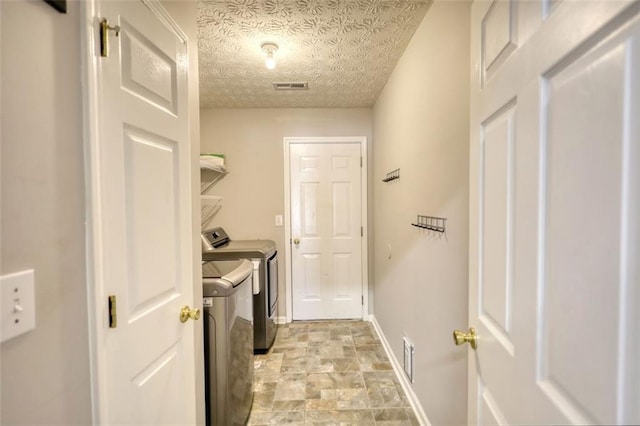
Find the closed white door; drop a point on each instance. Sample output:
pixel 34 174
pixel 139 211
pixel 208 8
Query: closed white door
pixel 141 188
pixel 326 234
pixel 555 201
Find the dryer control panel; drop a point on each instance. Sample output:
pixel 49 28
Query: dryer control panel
pixel 214 238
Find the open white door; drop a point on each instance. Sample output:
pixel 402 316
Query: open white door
pixel 326 228
pixel 139 176
pixel 555 201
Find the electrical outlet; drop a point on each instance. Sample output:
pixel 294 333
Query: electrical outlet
pixel 18 304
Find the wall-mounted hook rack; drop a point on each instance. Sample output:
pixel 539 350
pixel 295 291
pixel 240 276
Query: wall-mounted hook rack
pixel 432 223
pixel 392 175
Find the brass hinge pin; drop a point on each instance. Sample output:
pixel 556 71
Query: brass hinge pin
pixel 113 312
pixel 104 36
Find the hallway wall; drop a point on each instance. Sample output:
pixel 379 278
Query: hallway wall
pixel 45 373
pixel 251 139
pixel 421 125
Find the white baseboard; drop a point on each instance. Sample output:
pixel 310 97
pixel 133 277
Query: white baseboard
pixel 280 320
pixel 404 381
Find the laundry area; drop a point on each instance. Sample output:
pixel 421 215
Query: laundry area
pixel 305 371
pixel 240 294
pixel 265 212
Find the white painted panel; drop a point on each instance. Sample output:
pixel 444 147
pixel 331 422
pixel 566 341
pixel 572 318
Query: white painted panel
pixel 308 164
pixel 583 214
pixel 152 225
pixel 147 71
pixel 340 162
pixel 149 372
pixel 342 214
pixel 325 218
pixel 497 218
pixel 575 239
pixel 161 374
pixel 342 275
pixel 309 203
pixel 497 35
pixel 490 414
pixel 143 234
pixel 497 30
pixel 312 277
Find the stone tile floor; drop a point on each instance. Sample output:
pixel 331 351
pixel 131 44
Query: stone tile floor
pixel 326 373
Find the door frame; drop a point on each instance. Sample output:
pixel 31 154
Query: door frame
pixel 97 306
pixel 93 226
pixel 364 241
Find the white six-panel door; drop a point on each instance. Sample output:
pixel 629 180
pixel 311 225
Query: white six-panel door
pixel 555 202
pixel 140 189
pixel 326 252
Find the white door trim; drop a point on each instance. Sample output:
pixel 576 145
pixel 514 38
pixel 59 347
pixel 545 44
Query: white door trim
pixel 93 240
pixel 96 304
pixel 287 142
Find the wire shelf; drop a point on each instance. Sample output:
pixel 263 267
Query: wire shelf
pixel 209 176
pixel 209 206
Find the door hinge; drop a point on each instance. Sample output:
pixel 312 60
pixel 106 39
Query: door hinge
pixel 104 36
pixel 361 231
pixel 362 300
pixel 360 161
pixel 113 312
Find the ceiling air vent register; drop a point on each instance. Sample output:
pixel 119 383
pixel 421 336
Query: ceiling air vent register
pixel 291 86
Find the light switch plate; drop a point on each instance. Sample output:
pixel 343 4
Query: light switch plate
pixel 18 304
pixel 278 220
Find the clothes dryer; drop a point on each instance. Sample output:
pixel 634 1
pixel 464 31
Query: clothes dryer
pixel 216 245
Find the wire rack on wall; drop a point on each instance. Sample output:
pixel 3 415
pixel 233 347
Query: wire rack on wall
pixel 208 177
pixel 392 175
pixel 432 223
pixel 209 206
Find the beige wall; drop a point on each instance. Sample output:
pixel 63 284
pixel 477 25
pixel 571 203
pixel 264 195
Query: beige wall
pixel 421 125
pixel 45 373
pixel 251 140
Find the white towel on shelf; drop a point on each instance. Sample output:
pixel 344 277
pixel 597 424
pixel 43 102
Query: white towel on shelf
pixel 211 162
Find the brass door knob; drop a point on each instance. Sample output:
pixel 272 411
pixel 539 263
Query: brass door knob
pixel 460 337
pixel 296 241
pixel 187 313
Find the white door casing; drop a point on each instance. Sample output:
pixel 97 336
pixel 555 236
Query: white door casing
pixel 139 214
pixel 325 186
pixel 554 202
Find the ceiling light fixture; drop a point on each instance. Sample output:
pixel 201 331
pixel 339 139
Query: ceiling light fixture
pixel 270 48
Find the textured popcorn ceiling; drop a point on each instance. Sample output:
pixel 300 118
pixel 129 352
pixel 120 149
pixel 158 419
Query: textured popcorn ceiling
pixel 344 49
